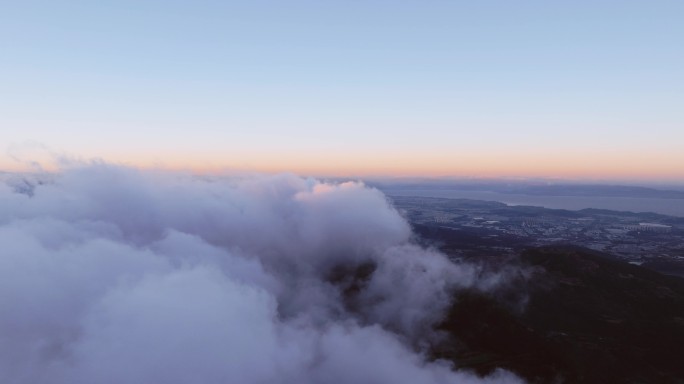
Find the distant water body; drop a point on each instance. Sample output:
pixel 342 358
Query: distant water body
pixel 672 207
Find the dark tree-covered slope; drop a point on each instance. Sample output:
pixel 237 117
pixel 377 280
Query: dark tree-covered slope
pixel 587 319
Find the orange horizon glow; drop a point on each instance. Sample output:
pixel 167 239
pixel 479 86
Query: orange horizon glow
pixel 506 164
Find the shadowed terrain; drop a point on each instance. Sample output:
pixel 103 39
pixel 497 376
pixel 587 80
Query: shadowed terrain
pixel 587 319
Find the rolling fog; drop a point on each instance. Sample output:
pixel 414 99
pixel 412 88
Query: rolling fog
pixel 116 275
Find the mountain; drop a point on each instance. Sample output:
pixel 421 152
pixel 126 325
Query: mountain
pixel 580 317
pixel 532 188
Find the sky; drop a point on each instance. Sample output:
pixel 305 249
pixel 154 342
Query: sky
pixel 582 89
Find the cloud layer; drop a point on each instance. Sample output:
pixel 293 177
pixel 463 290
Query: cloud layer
pixel 114 275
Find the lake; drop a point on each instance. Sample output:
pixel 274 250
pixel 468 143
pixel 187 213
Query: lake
pixel 672 207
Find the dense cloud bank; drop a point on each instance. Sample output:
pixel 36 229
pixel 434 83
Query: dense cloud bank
pixel 113 275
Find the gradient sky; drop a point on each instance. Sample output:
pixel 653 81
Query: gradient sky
pixel 581 89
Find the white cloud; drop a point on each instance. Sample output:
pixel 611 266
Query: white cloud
pixel 113 275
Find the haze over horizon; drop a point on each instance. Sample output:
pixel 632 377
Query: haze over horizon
pixel 587 90
pixel 341 192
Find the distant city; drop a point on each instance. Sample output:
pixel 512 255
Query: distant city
pixel 493 229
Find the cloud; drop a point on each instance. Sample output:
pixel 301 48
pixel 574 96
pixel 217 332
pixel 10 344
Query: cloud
pixel 111 275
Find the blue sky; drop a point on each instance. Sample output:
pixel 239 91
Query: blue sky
pixel 296 83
